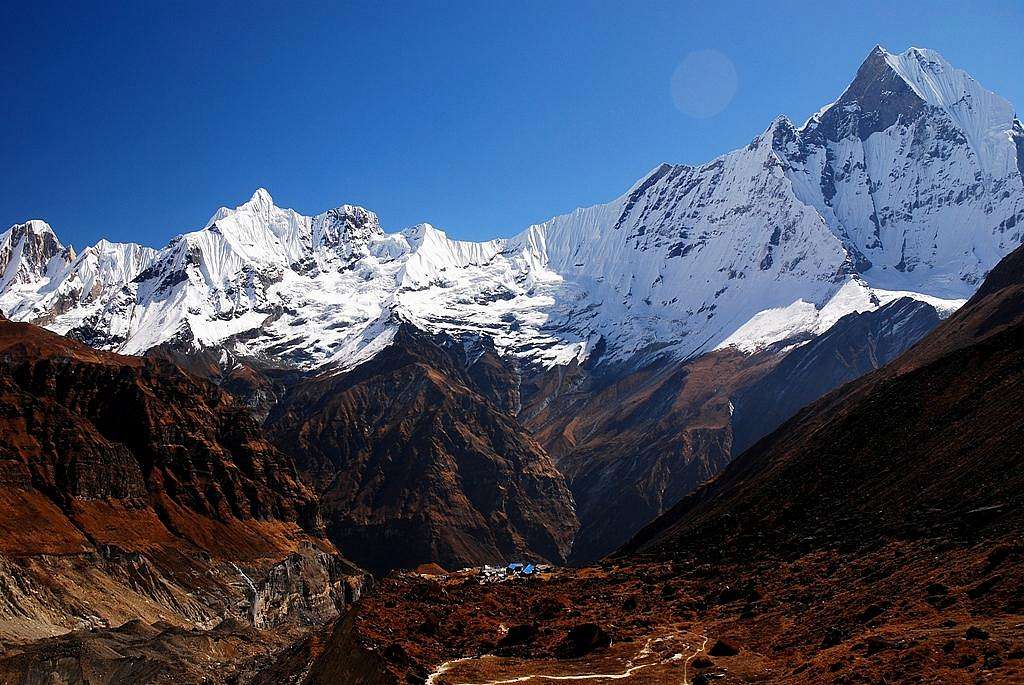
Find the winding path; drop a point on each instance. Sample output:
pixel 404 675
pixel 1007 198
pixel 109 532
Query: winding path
pixel 632 666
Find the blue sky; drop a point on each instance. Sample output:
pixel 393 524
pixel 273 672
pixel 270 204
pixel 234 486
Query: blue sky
pixel 137 122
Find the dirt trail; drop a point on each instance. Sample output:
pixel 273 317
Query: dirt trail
pixel 657 651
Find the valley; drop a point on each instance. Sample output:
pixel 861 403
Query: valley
pixel 754 420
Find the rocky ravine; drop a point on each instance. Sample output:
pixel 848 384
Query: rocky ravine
pixel 633 445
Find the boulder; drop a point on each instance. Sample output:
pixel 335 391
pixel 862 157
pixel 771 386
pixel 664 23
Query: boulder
pixel 723 648
pixel 582 640
pixel 702 662
pixel 976 633
pixel 518 635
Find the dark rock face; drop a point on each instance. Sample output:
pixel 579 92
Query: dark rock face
pixel 415 464
pixel 255 387
pixel 876 100
pixel 854 346
pixel 91 425
pixel 493 376
pixel 148 492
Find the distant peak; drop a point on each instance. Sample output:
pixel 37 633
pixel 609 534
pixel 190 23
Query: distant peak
pixel 261 198
pixel 260 202
pixel 892 87
pixel 37 227
pixel 417 230
pixel 352 211
pixel 912 51
pixel 921 52
pixel 345 225
pixel 415 235
pixel 33 227
pixel 779 134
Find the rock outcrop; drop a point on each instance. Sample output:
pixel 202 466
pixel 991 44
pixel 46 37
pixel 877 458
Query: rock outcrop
pixel 131 489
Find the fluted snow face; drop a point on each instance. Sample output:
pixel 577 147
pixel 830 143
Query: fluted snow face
pixel 690 254
pixel 910 183
pixel 985 118
pixel 915 168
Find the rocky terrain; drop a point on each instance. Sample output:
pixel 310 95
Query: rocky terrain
pixel 823 618
pixel 133 491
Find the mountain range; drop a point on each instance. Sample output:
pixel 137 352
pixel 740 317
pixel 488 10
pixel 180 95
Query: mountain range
pixel 629 339
pixel 733 378
pixel 909 183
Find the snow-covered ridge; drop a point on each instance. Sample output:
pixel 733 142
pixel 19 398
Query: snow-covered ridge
pixel 909 183
pixel 42 279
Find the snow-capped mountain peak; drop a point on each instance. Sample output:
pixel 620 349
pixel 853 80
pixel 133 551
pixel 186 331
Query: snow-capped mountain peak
pixel 43 280
pixel 260 201
pixel 30 253
pixel 911 182
pixel 347 230
pixel 892 86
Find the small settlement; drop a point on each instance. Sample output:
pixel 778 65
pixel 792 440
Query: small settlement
pixel 499 574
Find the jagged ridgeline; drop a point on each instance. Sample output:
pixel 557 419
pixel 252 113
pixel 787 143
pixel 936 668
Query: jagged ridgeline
pixel 910 182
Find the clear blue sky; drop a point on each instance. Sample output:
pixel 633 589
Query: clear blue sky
pixel 137 122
